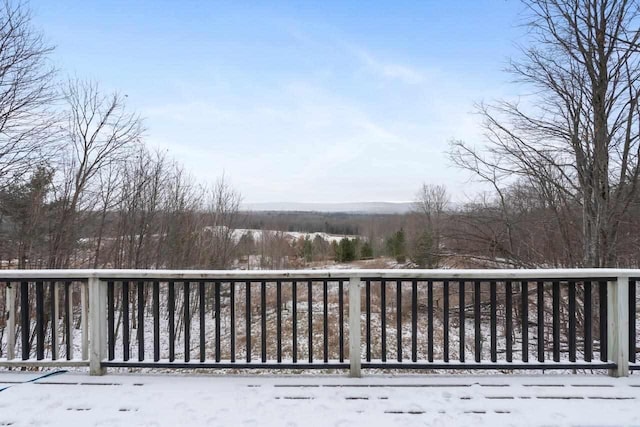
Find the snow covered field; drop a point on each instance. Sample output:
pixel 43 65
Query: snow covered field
pixel 72 399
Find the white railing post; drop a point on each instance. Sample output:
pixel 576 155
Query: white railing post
pixel 354 327
pixel 97 325
pixel 11 307
pixel 84 300
pixel 103 320
pixel 618 326
pixel 69 320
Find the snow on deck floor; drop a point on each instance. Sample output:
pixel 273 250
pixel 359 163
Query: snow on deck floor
pixel 73 399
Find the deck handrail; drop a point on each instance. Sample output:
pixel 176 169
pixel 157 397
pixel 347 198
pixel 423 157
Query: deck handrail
pixel 614 291
pixel 105 274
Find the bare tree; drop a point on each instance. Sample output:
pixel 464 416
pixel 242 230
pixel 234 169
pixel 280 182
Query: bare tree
pixel 143 184
pixel 431 201
pixel 577 138
pixel 108 198
pixel 181 225
pixel 100 132
pixel 222 218
pixel 426 241
pixel 23 212
pixel 26 92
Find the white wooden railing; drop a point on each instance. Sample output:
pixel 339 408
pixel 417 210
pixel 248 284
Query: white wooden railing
pixel 88 300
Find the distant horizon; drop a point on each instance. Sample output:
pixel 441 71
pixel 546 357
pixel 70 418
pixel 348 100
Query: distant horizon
pixel 335 202
pixel 370 207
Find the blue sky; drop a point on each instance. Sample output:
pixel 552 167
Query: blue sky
pixel 325 101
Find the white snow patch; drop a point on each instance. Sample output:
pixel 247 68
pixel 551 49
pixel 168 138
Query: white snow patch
pixel 75 399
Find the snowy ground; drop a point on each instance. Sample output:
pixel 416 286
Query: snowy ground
pixel 73 399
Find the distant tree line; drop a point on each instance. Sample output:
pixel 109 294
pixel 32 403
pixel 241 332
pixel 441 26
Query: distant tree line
pixel 307 222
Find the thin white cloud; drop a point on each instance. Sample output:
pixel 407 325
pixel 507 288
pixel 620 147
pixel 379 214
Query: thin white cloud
pixel 401 72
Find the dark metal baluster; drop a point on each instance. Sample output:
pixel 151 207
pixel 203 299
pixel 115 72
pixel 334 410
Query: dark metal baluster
pixel 263 320
pixel 602 291
pixel 524 312
pixel 186 289
pixel 383 317
pixel 68 316
pixel 368 316
pixel 294 315
pixel 476 321
pixel 632 321
pixel 125 320
pixel 445 326
pixel 572 321
pixel 540 291
pixel 217 285
pixel 156 320
pixel 172 321
pixel 310 318
pixel 279 320
pixel 232 314
pixel 54 320
pixel 430 321
pixel 341 318
pixel 25 319
pixel 461 321
pixel 399 320
pixel 325 328
pixel 588 312
pixel 509 319
pixel 111 335
pixel 414 320
pixel 140 321
pixel 40 320
pixel 556 321
pixel 494 320
pixel 201 315
pixel 247 312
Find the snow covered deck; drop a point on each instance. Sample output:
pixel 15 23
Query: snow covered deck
pixel 75 399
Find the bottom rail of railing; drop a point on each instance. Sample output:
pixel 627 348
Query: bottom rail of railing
pixel 165 364
pixel 223 365
pixel 488 365
pixel 44 363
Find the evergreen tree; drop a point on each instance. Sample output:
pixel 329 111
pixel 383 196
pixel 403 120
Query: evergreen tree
pixel 346 250
pixel 307 249
pixel 396 246
pixel 366 251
